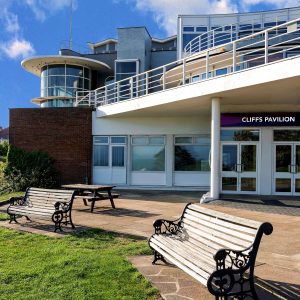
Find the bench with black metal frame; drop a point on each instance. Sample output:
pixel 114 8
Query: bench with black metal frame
pixel 50 204
pixel 217 249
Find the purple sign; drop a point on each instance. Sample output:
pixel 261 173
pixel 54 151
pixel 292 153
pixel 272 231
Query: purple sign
pixel 259 119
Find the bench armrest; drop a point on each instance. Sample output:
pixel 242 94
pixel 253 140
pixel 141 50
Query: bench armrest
pixel 62 206
pixel 237 258
pixel 16 201
pixel 228 263
pixel 166 226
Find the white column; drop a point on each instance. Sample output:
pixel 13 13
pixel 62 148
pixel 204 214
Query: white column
pixel 215 153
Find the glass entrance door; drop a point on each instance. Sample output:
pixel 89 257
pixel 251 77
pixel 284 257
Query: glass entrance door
pixel 239 168
pixel 286 169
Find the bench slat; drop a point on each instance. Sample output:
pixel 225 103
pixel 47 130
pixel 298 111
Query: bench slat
pixel 48 198
pixel 177 257
pixel 224 224
pixel 22 211
pixel 180 265
pixel 182 248
pixel 215 233
pixel 233 219
pixel 70 192
pixel 40 201
pixel 222 244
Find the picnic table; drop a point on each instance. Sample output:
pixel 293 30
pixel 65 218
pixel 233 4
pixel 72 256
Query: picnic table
pixel 92 193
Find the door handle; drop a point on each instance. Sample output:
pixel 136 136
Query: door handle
pixel 289 169
pixel 242 168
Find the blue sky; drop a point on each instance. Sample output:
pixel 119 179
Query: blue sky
pixel 39 27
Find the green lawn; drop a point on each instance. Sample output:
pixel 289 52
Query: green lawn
pixel 8 196
pixel 87 265
pixel 4 216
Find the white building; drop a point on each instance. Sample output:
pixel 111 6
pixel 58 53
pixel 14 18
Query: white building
pixel 224 118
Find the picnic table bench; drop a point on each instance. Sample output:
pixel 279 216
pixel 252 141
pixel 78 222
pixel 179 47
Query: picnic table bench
pixel 217 249
pixel 55 205
pixel 93 193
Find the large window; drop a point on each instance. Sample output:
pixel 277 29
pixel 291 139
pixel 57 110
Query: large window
pixel 126 68
pixel 64 80
pixel 148 153
pixel 109 151
pixel 191 32
pixel 192 153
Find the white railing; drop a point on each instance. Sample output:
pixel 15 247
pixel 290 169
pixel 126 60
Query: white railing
pixel 273 44
pixel 228 33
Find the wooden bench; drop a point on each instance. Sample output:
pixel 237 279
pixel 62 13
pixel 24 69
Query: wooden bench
pixel 55 205
pixel 217 249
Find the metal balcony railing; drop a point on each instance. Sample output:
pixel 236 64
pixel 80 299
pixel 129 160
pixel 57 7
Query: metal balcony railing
pixel 273 44
pixel 228 33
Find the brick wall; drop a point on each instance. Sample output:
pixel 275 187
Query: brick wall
pixel 64 133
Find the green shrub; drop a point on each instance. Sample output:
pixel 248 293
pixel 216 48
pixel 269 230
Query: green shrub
pixel 23 169
pixel 3 150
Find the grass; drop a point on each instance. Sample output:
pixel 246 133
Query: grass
pixel 5 197
pixel 87 265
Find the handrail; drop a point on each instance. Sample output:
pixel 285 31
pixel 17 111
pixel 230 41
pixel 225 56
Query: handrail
pixel 250 51
pixel 216 36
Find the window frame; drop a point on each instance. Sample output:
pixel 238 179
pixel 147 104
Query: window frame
pixel 147 144
pixel 194 143
pixel 110 145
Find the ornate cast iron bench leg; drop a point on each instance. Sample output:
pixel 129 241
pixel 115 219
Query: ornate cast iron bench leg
pixel 12 218
pixel 157 257
pixel 57 218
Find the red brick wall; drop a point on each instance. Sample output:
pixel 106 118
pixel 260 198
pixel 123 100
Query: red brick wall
pixel 64 133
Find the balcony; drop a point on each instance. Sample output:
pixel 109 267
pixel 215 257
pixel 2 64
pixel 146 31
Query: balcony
pixel 264 48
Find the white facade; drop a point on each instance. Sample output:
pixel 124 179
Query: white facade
pixel 186 112
pixel 236 131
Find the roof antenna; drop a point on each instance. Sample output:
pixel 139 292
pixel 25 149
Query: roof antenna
pixel 71 17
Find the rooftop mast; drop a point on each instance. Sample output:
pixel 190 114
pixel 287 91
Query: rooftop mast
pixel 71 17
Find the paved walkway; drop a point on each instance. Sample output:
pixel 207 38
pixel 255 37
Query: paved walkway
pixel 278 262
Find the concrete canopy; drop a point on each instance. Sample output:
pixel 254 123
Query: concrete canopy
pixel 35 64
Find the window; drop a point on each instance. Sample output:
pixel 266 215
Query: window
pixel 148 153
pixel 239 135
pixel 201 28
pixel 126 68
pixel 221 71
pixel 109 151
pixel 192 153
pixel 101 155
pixel 187 37
pixel 64 80
pixel 287 135
pixel 117 156
pixel 188 28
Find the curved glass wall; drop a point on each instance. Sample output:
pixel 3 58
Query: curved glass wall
pixel 64 80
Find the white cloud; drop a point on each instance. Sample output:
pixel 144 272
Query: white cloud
pixel 11 22
pixel 165 12
pixel 43 8
pixel 18 48
pixel 275 3
pixel 14 45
